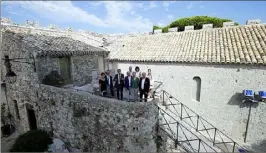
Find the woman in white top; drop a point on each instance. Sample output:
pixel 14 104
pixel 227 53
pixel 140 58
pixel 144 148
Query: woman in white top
pixel 149 74
pixel 151 81
pixel 138 73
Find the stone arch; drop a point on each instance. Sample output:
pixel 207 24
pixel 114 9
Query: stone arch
pixel 196 88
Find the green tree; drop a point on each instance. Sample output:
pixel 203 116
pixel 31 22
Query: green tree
pixel 156 27
pixel 197 21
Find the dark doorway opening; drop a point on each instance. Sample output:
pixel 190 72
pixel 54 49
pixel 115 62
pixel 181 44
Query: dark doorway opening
pixel 32 119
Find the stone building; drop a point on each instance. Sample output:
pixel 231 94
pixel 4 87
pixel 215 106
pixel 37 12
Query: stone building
pixel 204 69
pixel 39 55
pixel 80 119
pixel 207 70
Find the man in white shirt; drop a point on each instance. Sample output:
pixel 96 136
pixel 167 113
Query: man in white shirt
pixel 144 87
pixel 128 86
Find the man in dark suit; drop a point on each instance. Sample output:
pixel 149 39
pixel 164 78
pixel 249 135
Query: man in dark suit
pixel 109 82
pixel 144 87
pixel 119 83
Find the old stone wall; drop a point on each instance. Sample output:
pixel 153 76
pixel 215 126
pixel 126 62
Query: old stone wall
pixel 24 89
pixel 82 67
pixel 44 65
pixel 219 102
pixel 95 123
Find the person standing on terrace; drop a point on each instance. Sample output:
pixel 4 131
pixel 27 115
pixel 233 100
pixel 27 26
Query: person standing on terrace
pixel 149 74
pixel 119 84
pixel 130 70
pixel 144 87
pixel 135 86
pixel 109 82
pixel 151 81
pixel 128 86
pixel 102 84
pixel 138 73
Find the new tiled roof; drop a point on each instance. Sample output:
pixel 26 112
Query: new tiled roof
pixel 237 44
pixel 45 45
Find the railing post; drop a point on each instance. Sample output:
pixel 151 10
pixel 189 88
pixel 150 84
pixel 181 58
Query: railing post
pixel 163 98
pixel 197 123
pixel 176 143
pixel 181 117
pixel 199 145
pixel 214 136
pixel 234 146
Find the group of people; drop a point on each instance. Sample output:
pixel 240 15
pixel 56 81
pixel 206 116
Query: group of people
pixel 135 83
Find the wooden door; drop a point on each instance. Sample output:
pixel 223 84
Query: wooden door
pixel 65 70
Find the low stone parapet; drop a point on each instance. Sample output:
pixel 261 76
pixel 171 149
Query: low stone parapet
pixel 94 123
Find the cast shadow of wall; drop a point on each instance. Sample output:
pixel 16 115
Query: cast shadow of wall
pixel 259 147
pixel 237 100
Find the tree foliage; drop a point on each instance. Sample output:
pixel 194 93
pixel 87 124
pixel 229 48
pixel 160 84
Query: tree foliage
pixel 197 21
pixel 156 27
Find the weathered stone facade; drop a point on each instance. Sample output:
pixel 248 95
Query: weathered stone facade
pixel 81 67
pixel 221 86
pixel 95 123
pixel 44 69
pixel 24 90
pixel 82 120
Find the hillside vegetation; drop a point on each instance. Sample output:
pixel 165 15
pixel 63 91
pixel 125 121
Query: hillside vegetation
pixel 197 21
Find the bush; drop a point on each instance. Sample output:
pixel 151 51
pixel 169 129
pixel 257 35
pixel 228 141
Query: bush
pixel 197 21
pixel 156 27
pixel 32 141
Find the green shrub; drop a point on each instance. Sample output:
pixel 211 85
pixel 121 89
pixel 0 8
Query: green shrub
pixel 165 29
pixel 156 27
pixel 197 21
pixel 32 141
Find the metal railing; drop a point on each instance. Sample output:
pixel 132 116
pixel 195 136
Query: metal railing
pixel 191 119
pixel 183 137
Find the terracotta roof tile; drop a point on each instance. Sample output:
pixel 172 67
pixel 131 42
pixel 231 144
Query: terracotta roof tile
pixel 240 44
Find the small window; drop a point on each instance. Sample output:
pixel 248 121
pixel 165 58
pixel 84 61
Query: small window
pixel 196 88
pixel 16 109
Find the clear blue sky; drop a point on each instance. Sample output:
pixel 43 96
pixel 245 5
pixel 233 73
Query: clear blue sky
pixel 126 16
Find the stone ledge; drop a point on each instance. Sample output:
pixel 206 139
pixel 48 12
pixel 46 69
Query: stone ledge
pixel 91 96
